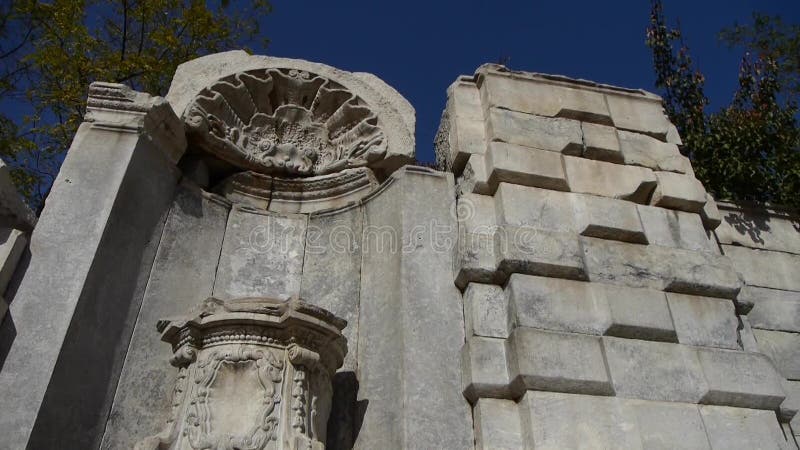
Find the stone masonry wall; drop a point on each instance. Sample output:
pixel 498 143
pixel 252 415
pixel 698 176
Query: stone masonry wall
pixel 598 305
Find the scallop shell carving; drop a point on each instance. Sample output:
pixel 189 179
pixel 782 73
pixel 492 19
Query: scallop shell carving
pixel 285 121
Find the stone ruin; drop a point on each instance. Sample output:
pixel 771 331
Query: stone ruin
pixel 254 262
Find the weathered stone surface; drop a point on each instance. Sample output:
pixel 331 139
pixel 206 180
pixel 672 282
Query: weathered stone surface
pixel 542 209
pixel 601 142
pixel 262 255
pixel 677 229
pixel 484 370
pixel 704 321
pixel 742 429
pixel 764 268
pixel 643 114
pixel 540 96
pixel 331 274
pixel 14 213
pixel 642 150
pixel 526 166
pixel 12 244
pixel 476 259
pixel 543 133
pixel 556 421
pixel 462 132
pixel 638 313
pixel 766 229
pixel 558 304
pixel 784 350
pixel 486 311
pixel 710 213
pixel 183 272
pixel 539 252
pixel 773 309
pixel 681 192
pixel 608 219
pixel 562 362
pixel 791 405
pixel 609 180
pixel 497 425
pixel 660 268
pixel 654 370
pixel 741 379
pixel 746 336
pixel 667 425
pixel 411 325
pixel 89 258
pixel 395 113
pixel 475 177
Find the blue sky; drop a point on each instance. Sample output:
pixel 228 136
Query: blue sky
pixel 420 47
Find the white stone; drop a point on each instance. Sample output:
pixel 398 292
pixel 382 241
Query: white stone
pixel 762 268
pixel 497 425
pixel 539 252
pixel 601 142
pixel 484 368
pixel 710 213
pixel 742 429
pixel 643 114
pixel 677 229
pixel 637 313
pixel 525 166
pixel 542 209
pixel 773 309
pixel 742 379
pixel 642 150
pixel 654 370
pixel 609 180
pixel 562 362
pixel 608 219
pixel 667 425
pixel 790 407
pixel 677 191
pixel 704 321
pixel 543 133
pixel 475 177
pixel 759 228
pixel 784 350
pixel 486 311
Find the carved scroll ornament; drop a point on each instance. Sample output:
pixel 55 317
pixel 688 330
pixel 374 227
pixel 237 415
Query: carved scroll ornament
pixel 285 122
pixel 253 374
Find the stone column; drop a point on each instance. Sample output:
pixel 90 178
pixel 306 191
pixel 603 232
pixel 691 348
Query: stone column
pixel 69 322
pixel 252 372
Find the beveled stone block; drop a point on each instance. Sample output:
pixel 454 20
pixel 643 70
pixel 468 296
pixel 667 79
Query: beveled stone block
pixel 742 429
pixel 776 270
pixel 526 166
pixel 784 350
pixel 486 311
pixel 773 309
pixel 543 133
pixel 638 313
pixel 677 229
pixel 539 252
pixel 562 362
pixel 601 142
pixel 609 180
pixel 497 425
pixel 710 214
pixel 484 370
pixel 542 209
pixel 654 370
pixel 743 379
pixel 762 228
pixel 607 218
pixel 642 150
pixel 643 114
pixel 667 425
pixel 704 321
pixel 677 191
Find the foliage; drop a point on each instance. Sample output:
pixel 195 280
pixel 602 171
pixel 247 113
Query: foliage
pixel 70 43
pixel 750 149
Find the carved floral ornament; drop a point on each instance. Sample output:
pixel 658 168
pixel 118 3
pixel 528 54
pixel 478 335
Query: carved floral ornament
pixel 285 122
pixel 253 374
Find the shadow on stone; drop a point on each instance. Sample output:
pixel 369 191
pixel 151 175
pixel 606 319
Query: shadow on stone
pixel 8 332
pixel 347 412
pixel 750 224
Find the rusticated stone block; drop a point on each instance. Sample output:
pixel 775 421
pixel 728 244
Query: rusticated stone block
pixel 601 142
pixel 742 429
pixel 562 362
pixel 654 370
pixel 609 180
pixel 540 96
pixel 486 311
pixel 661 268
pixel 526 166
pixel 552 420
pixel 667 425
pixel 528 130
pixel 477 259
pixel 539 252
pixel 643 114
pixel 607 218
pixel 784 350
pixel 704 321
pixel 677 229
pixel 791 405
pixel 642 150
pixel 762 228
pixel 542 209
pixel 742 379
pixel 710 214
pixel 764 268
pixel 773 309
pixel 484 370
pixel 475 176
pixel 677 191
pixel 638 313
pixel 497 425
pixel 476 213
pixel 557 304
